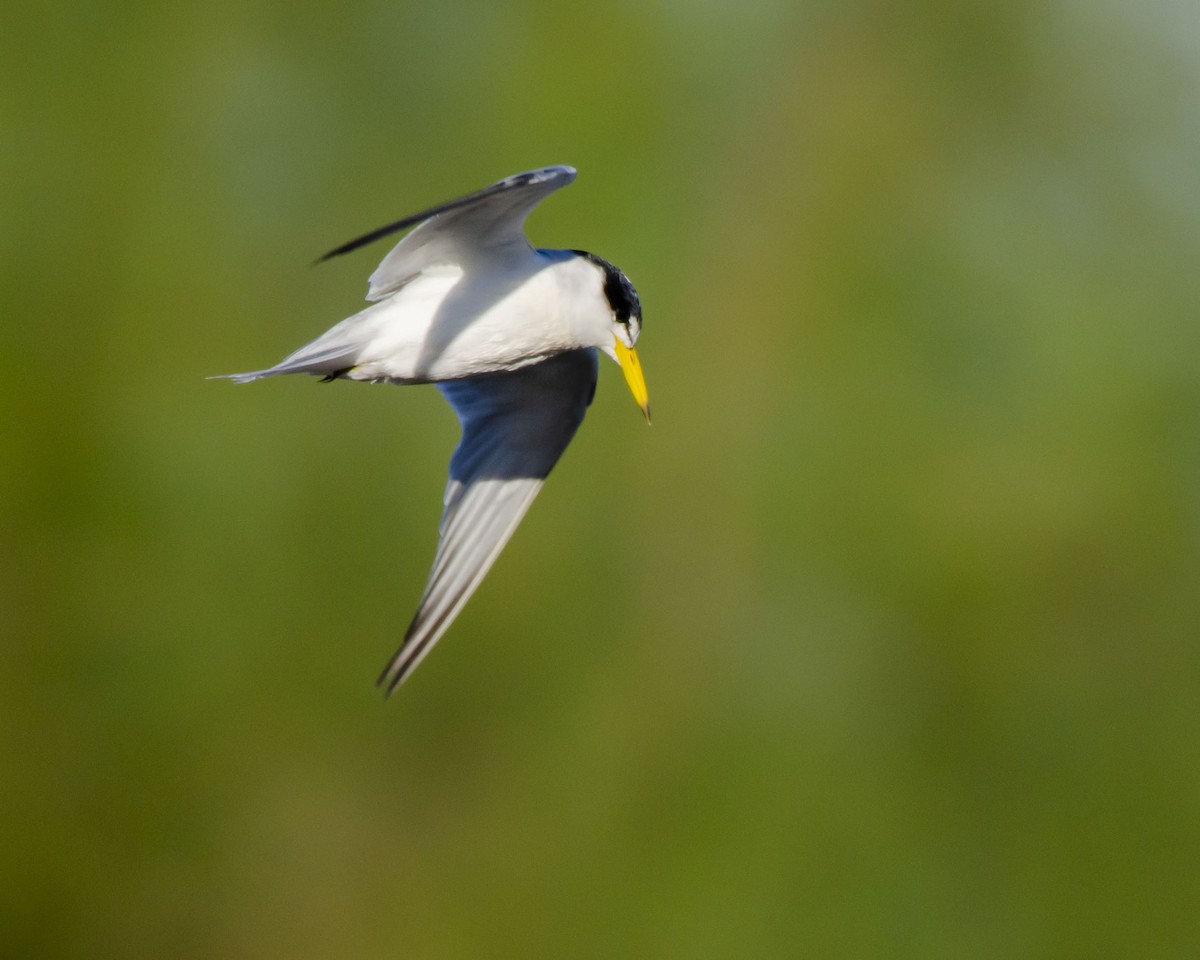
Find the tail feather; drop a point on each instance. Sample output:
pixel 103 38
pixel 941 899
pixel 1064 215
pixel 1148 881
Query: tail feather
pixel 243 377
pixel 322 363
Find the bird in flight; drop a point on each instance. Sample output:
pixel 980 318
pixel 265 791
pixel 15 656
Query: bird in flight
pixel 510 335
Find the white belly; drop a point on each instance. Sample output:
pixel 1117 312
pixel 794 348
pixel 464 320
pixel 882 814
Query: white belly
pixel 450 325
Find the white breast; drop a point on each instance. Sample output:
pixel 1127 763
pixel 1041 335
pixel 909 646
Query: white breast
pixel 455 322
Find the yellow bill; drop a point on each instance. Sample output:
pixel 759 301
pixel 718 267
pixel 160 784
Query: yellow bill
pixel 631 366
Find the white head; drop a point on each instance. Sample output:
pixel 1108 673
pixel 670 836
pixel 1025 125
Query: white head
pixel 626 327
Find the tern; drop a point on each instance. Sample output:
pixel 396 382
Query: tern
pixel 509 334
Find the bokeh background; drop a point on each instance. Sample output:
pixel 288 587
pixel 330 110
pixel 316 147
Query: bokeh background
pixel 881 642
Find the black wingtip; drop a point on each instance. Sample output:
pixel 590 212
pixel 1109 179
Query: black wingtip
pixel 396 671
pixel 362 241
pixel 389 681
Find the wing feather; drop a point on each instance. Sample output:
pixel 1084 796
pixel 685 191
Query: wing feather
pixel 515 426
pixel 449 232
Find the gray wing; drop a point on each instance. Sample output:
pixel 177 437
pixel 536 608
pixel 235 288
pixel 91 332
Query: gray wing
pixel 515 427
pixel 491 217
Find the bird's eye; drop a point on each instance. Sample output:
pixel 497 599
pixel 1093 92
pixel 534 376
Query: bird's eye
pixel 633 328
pixel 622 298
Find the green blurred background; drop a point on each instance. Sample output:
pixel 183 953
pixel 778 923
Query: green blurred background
pixel 882 642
